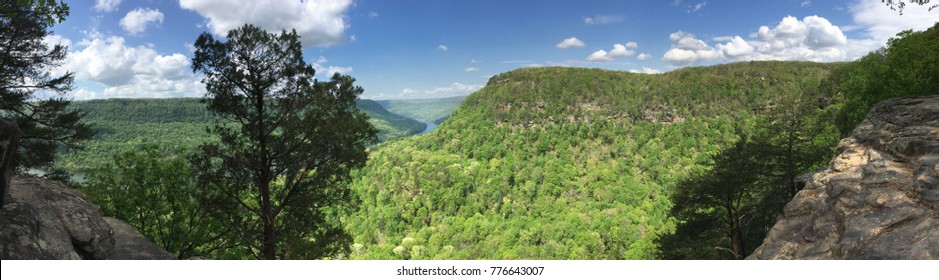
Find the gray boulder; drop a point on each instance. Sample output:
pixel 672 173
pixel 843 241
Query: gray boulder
pixel 131 245
pixel 878 198
pixel 47 220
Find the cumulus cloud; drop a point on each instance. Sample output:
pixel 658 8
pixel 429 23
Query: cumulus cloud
pixel 812 38
pixel 330 70
pixel 619 50
pixel 106 5
pixel 687 49
pixel 54 39
pixel 128 71
pixel 880 23
pixel 471 69
pixel 602 19
pixel 571 42
pixel 318 22
pixel 643 56
pixel 136 21
pixel 735 48
pixel 442 48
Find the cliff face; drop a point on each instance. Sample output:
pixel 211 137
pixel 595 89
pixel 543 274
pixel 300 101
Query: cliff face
pixel 46 220
pixel 877 199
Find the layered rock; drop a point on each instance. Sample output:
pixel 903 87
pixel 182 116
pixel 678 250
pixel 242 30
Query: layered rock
pixel 878 198
pixel 47 220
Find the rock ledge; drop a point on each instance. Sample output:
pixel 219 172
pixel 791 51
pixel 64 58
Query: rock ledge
pixel 878 198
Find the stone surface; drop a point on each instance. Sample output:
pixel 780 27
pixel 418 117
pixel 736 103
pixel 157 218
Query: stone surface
pixel 878 198
pixel 9 139
pixel 131 245
pixel 47 220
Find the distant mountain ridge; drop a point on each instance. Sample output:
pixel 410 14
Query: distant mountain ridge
pixel 434 110
pixel 179 124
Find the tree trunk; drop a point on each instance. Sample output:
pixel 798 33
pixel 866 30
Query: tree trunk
pixel 268 247
pixel 9 143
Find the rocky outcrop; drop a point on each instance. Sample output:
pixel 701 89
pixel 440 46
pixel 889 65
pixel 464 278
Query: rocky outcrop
pixel 131 245
pixel 9 139
pixel 47 220
pixel 878 198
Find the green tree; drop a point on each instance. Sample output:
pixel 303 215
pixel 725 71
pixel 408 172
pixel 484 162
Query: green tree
pixel 287 144
pixel 25 60
pixel 155 193
pixel 717 206
pixel 907 66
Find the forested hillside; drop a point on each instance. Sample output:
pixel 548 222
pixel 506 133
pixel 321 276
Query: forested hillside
pixel 434 110
pixel 177 125
pixel 573 163
pixel 563 163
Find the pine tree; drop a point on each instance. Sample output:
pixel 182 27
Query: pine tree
pixel 287 144
pixel 25 59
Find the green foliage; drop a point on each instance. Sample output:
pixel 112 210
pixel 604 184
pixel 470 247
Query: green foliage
pixel 908 66
pixel 434 110
pixel 153 191
pixel 175 123
pixel 562 163
pixel 277 176
pixel 46 123
pixel 389 125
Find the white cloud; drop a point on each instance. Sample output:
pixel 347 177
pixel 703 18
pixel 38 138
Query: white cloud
pixel 442 47
pixel 127 71
pixel 600 55
pixel 54 39
pixel 84 94
pixel 106 5
pixel 475 61
pixel 645 70
pixel 571 42
pixel 602 19
pixel 471 69
pixel 329 71
pixel 372 14
pixel 722 38
pixel 880 23
pixel 643 56
pixel 136 21
pixel 318 22
pixel 454 89
pixel 408 91
pixel 735 48
pixel 619 50
pixel 806 3
pixel 813 38
pixel 698 7
pixel 687 49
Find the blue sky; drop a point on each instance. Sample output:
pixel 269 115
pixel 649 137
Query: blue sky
pixel 436 48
